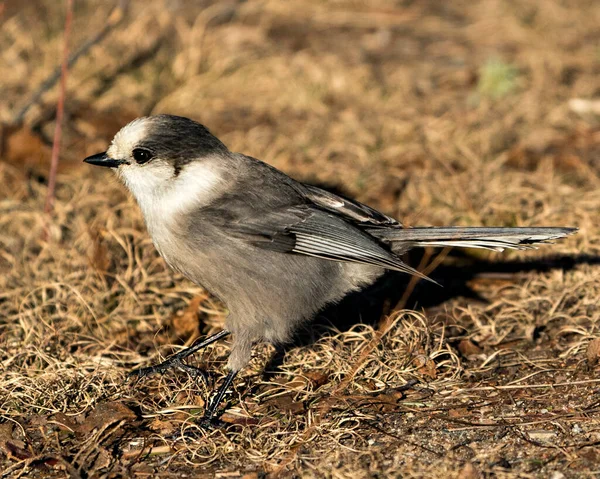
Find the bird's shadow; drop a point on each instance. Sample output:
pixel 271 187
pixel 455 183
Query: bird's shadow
pixel 369 305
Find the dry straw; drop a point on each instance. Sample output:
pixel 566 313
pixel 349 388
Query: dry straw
pixel 487 376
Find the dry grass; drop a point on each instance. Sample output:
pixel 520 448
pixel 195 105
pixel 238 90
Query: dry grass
pixel 453 114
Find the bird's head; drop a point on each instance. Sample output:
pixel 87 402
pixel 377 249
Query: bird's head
pixel 164 155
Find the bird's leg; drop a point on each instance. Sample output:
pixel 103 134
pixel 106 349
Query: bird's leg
pixel 211 410
pixel 176 361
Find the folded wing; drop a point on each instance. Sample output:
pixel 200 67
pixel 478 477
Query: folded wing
pixel 312 232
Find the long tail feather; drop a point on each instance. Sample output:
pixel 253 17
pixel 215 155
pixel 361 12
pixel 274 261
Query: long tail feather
pixel 496 239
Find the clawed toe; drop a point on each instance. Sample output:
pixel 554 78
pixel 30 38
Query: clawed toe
pixel 193 371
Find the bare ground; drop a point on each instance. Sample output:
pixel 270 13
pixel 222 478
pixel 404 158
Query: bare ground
pixel 457 113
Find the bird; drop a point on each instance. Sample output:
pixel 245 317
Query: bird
pixel 274 250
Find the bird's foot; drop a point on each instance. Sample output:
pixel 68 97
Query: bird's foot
pixel 176 361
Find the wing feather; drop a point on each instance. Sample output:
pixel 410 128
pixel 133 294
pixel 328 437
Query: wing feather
pixel 353 211
pixel 313 232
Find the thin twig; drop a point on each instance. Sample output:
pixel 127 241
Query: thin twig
pixel 115 17
pixel 425 270
pixel 60 110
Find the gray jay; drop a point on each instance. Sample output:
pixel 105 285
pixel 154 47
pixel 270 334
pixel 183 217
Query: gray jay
pixel 274 250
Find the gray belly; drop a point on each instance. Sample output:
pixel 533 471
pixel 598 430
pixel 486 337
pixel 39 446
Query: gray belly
pixel 266 292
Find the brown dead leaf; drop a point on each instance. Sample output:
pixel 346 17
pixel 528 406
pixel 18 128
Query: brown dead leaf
pixel 509 344
pixel 593 352
pixel 142 470
pixel 458 412
pixel 37 420
pixel 286 403
pixel 150 451
pixel 233 418
pixel 66 423
pixel 184 397
pixel 469 348
pixel 186 324
pixel 370 385
pixel 104 415
pixel 426 366
pixel 99 257
pixel 103 460
pixel 317 378
pixel 164 428
pixel 393 395
pixel 591 455
pixel 24 149
pixel 10 446
pixel 386 402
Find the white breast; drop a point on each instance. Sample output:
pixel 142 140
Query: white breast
pixel 163 197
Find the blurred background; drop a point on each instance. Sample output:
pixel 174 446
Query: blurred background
pixel 365 95
pixel 437 113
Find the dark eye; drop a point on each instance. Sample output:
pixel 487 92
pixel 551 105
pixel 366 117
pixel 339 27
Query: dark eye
pixel 141 155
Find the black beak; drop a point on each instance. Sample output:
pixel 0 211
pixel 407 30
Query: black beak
pixel 102 159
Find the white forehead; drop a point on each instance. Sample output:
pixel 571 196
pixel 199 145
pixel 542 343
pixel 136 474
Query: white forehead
pixel 127 138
